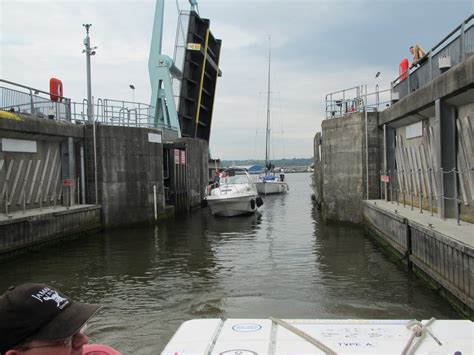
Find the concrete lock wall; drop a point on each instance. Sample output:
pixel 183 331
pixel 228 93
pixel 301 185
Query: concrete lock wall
pixel 129 164
pixel 316 178
pixel 24 232
pixel 437 257
pixel 34 159
pixel 418 168
pixel 197 162
pixel 343 166
pixel 197 167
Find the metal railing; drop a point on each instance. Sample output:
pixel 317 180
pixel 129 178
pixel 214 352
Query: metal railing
pixel 352 100
pixel 451 50
pixel 23 99
pixel 401 185
pixel 14 202
pixel 33 101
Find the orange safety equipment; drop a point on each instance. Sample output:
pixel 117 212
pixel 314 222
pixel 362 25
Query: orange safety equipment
pixel 55 89
pixel 403 69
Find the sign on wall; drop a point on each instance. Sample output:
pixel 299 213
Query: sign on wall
pixel 18 145
pixel 176 156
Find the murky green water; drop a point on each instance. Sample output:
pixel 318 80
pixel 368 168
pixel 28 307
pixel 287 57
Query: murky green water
pixel 282 263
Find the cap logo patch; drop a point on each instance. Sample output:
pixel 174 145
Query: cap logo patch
pixel 47 294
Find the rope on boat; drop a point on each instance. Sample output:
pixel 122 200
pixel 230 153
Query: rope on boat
pixel 418 331
pixel 304 335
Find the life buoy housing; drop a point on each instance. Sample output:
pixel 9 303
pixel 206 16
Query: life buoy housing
pixel 403 69
pixel 55 89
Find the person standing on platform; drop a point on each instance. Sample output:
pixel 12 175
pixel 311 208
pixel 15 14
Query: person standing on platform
pixel 418 55
pixel 282 174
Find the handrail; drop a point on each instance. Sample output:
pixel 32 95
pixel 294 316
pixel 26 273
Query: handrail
pixel 24 99
pixel 431 70
pixel 453 32
pixel 30 88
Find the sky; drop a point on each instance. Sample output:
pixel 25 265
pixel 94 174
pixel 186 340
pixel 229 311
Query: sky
pixel 318 47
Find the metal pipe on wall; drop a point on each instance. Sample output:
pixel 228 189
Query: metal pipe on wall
pixel 83 179
pixel 366 143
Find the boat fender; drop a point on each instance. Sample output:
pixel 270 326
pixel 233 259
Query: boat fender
pixel 259 201
pixel 252 204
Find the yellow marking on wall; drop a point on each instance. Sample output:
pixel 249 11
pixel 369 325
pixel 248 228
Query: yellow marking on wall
pixel 10 116
pixel 202 79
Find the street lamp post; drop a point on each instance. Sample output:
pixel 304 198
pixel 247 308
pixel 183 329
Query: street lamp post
pixel 89 52
pixel 133 93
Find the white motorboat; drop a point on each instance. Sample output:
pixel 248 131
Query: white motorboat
pixel 269 183
pixel 235 195
pixel 322 336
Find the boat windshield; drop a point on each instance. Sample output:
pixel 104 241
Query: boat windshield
pixel 236 179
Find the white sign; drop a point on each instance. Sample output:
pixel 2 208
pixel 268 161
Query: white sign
pixel 154 137
pixel 414 130
pixel 18 145
pixel 194 46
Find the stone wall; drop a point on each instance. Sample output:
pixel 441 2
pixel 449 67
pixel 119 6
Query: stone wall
pixel 23 232
pixel 343 166
pixel 128 166
pixel 446 263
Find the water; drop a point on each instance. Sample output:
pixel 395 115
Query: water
pixel 283 262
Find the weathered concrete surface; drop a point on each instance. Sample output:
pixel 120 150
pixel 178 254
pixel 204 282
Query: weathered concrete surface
pixel 343 166
pixel 24 231
pixel 316 179
pixel 128 166
pixel 31 127
pixel 197 162
pixel 440 251
pixel 456 80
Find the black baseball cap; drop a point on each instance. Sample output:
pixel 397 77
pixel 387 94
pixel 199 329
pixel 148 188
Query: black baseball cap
pixel 36 311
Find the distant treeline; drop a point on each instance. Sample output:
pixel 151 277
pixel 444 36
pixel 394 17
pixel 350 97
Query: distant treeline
pixel 277 162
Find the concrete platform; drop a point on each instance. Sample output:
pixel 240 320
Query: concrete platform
pixel 21 231
pixel 439 251
pixel 19 215
pixel 463 233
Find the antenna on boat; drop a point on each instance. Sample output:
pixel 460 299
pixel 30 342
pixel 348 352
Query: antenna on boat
pixel 267 137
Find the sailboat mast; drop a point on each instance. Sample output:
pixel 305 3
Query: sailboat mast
pixel 267 137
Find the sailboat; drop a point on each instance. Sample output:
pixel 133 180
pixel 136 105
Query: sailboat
pixel 270 183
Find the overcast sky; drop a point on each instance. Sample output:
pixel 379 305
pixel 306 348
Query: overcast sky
pixel 317 47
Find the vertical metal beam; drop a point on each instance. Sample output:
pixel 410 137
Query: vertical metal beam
pixel 198 111
pixel 445 146
pixel 155 52
pixel 366 145
pixel 83 176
